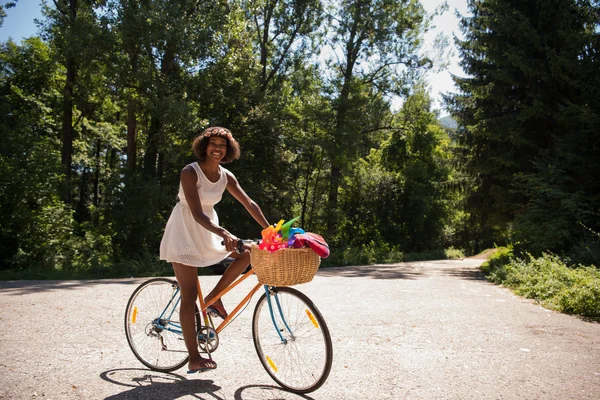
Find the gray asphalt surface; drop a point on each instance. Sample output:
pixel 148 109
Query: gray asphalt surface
pixel 423 330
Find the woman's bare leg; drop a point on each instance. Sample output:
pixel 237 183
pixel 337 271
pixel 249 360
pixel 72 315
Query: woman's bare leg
pixel 231 273
pixel 187 277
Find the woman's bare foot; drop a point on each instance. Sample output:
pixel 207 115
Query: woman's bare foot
pixel 201 365
pixel 217 307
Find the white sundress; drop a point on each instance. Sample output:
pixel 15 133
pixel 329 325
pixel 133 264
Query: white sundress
pixel 187 242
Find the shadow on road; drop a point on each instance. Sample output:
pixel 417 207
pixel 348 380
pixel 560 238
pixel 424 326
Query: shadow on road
pixel 18 288
pixel 255 392
pixel 471 274
pixel 378 271
pixel 407 270
pixel 146 384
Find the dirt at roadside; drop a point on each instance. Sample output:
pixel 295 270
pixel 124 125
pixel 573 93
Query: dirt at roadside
pixel 485 255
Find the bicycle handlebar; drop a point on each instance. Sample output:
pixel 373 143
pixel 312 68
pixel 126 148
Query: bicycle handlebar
pixel 240 244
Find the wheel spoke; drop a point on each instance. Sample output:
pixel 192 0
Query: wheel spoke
pixel 303 363
pixel 158 349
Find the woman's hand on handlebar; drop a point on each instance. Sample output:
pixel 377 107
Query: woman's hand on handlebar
pixel 242 245
pixel 230 242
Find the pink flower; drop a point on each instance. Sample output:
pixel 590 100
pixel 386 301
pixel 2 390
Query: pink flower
pixel 218 131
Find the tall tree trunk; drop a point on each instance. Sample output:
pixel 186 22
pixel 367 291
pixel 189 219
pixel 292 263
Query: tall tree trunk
pixel 152 150
pixel 336 156
pixel 161 165
pixel 67 121
pixel 152 147
pixel 353 45
pixel 131 134
pixel 316 196
pixel 264 39
pixel 67 129
pixel 81 210
pixel 334 184
pixel 97 173
pixel 264 43
pixel 306 188
pixel 111 161
pixel 132 110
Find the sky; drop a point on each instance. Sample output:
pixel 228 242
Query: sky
pixel 447 24
pixel 19 24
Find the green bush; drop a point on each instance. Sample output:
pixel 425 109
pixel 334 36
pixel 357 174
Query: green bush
pixel 374 253
pixel 587 251
pixel 143 265
pixel 549 280
pixel 454 254
pixel 583 298
pixel 496 264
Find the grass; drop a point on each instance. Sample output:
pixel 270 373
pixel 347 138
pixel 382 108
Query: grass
pixel 147 266
pixel 150 266
pixel 369 254
pixel 572 289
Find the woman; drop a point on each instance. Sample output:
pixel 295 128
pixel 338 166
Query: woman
pixel 193 236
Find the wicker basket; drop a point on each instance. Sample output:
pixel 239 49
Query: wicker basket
pixel 284 267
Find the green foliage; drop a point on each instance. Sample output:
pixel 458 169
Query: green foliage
pixel 528 120
pixel 453 254
pixel 497 261
pixel 587 251
pixel 549 280
pixel 382 253
pixel 407 175
pixel 137 220
pixel 98 116
pixel 375 53
pixel 146 265
pixel 3 8
pixel 368 253
pixel 29 155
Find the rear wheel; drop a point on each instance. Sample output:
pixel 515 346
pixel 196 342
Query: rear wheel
pixel 301 362
pixel 152 325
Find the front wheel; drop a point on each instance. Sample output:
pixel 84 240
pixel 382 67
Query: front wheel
pixel 292 340
pixel 152 325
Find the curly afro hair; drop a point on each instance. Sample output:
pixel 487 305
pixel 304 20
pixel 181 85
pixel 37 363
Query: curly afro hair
pixel 201 143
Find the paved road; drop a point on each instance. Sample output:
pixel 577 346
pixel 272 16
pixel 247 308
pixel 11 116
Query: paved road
pixel 424 330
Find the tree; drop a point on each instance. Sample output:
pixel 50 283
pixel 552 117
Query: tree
pixel 284 30
pixel 525 110
pixel 30 156
pixel 108 103
pixel 257 97
pixel 71 27
pixel 3 8
pixel 307 120
pixel 375 44
pixel 395 195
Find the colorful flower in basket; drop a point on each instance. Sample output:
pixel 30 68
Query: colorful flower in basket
pixel 272 239
pixel 282 236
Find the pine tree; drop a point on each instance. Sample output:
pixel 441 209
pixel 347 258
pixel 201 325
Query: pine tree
pixel 521 104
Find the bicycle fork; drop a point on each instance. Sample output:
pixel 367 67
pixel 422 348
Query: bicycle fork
pixel 271 294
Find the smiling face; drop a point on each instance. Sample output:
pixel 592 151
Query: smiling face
pixel 216 143
pixel 216 148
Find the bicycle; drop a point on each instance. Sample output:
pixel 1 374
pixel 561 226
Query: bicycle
pixel 289 333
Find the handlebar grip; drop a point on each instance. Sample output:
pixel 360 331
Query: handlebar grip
pixel 240 245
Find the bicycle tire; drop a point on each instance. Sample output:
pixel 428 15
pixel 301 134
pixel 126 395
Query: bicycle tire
pixel 158 349
pixel 302 364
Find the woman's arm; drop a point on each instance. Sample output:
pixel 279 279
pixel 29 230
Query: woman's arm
pixel 189 178
pixel 236 191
